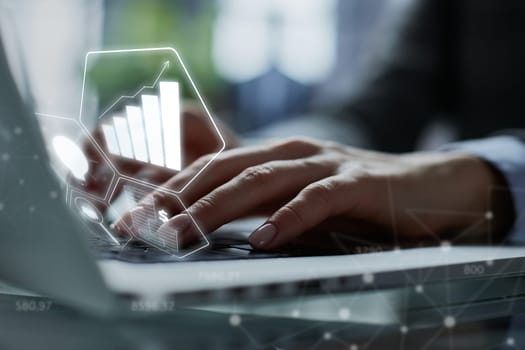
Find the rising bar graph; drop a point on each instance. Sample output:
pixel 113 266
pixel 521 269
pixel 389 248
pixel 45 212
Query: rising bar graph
pixel 151 133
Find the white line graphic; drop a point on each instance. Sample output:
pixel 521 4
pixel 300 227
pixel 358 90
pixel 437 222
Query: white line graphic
pixel 192 86
pixel 170 112
pixel 165 66
pixel 138 136
pixel 152 123
pixel 111 139
pixel 151 134
pixel 124 141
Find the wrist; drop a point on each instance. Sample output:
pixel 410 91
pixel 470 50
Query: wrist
pixel 464 197
pixel 482 202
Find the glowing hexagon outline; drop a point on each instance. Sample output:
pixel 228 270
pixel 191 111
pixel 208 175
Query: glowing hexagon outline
pixel 154 187
pixel 199 96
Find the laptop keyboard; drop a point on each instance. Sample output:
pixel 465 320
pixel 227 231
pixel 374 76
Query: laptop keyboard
pixel 221 248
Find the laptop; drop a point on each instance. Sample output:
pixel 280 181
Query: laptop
pixel 49 249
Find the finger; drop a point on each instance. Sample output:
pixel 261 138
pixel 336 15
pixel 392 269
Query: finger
pixel 230 163
pixel 89 145
pixel 313 205
pixel 155 175
pixel 224 168
pixel 94 157
pixel 126 166
pixel 98 180
pixel 254 187
pixel 148 174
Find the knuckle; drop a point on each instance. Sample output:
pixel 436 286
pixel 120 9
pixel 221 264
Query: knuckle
pixel 298 143
pixel 259 174
pixel 203 161
pixel 205 203
pixel 158 199
pixel 320 191
pixel 291 213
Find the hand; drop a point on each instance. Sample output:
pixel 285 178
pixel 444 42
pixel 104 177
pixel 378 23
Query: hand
pixel 302 184
pixel 199 138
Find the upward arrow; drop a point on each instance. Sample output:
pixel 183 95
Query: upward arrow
pixel 164 67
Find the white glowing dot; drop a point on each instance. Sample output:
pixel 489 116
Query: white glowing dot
pixel 296 313
pixel 327 336
pixel 235 320
pixel 18 130
pixel 53 194
pixel 489 215
pixel 71 156
pixel 449 321
pixel 489 262
pixel 368 278
pixel 36 157
pixel 344 313
pixel 445 246
pixel 404 329
pixel 31 209
pixel 419 288
pixel 21 182
pixel 89 212
pixel 353 347
pixel 5 157
pixel 510 341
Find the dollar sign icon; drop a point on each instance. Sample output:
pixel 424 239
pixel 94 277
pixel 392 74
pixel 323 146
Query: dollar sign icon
pixel 163 215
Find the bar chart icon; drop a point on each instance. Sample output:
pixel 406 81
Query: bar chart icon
pixel 150 133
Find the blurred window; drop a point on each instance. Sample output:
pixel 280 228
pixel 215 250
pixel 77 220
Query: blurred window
pixel 46 42
pixel 298 37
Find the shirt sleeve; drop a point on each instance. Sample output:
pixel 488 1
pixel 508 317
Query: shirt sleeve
pixel 507 154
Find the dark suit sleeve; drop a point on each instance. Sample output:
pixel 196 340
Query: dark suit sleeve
pixel 409 79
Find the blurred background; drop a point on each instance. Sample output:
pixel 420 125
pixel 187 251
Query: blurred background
pixel 257 62
pixel 265 67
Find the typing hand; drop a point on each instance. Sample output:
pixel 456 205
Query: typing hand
pixel 301 184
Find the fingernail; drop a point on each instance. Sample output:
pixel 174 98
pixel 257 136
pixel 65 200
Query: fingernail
pixel 263 235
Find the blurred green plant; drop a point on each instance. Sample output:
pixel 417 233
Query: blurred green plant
pixel 184 25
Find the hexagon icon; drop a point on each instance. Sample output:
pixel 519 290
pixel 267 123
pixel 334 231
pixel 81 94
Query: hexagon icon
pixel 92 212
pixel 146 221
pixel 139 97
